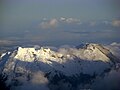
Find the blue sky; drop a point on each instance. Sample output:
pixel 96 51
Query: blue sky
pixel 40 20
pixel 83 9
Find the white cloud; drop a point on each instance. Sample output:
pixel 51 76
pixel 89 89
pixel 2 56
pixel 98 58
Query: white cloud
pixel 116 23
pixel 72 20
pixel 38 78
pixel 69 20
pixel 62 19
pixel 53 23
pixel 37 82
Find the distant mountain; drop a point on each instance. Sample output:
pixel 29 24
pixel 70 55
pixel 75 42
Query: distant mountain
pixel 63 69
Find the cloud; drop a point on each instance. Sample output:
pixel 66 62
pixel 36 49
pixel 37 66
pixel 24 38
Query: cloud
pixel 107 22
pixel 116 23
pixel 38 78
pixel 62 19
pixel 37 82
pixel 109 82
pixel 69 20
pixel 6 42
pixel 62 22
pixel 100 23
pixel 53 23
pixel 92 23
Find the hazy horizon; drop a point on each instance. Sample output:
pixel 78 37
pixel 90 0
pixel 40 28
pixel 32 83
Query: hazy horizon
pixel 54 22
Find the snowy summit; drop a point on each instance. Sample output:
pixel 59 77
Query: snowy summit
pixel 20 66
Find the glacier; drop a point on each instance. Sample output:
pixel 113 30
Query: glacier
pixel 66 68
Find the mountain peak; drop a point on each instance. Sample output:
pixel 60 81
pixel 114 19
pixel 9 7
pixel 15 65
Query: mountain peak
pixel 64 63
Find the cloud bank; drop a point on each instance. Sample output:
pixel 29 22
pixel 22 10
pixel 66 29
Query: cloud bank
pixel 53 23
pixel 69 20
pixel 116 23
pixel 38 82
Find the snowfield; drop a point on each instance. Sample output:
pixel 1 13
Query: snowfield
pixel 66 68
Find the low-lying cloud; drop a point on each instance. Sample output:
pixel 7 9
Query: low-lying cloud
pixel 53 23
pixel 69 20
pixel 38 82
pixel 116 23
pixel 109 82
pixel 38 78
pixel 6 42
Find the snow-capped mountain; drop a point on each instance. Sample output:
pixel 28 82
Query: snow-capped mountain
pixel 47 69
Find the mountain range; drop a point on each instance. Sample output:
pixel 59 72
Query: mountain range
pixel 84 67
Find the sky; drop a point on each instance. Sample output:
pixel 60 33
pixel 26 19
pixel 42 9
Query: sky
pixel 55 22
